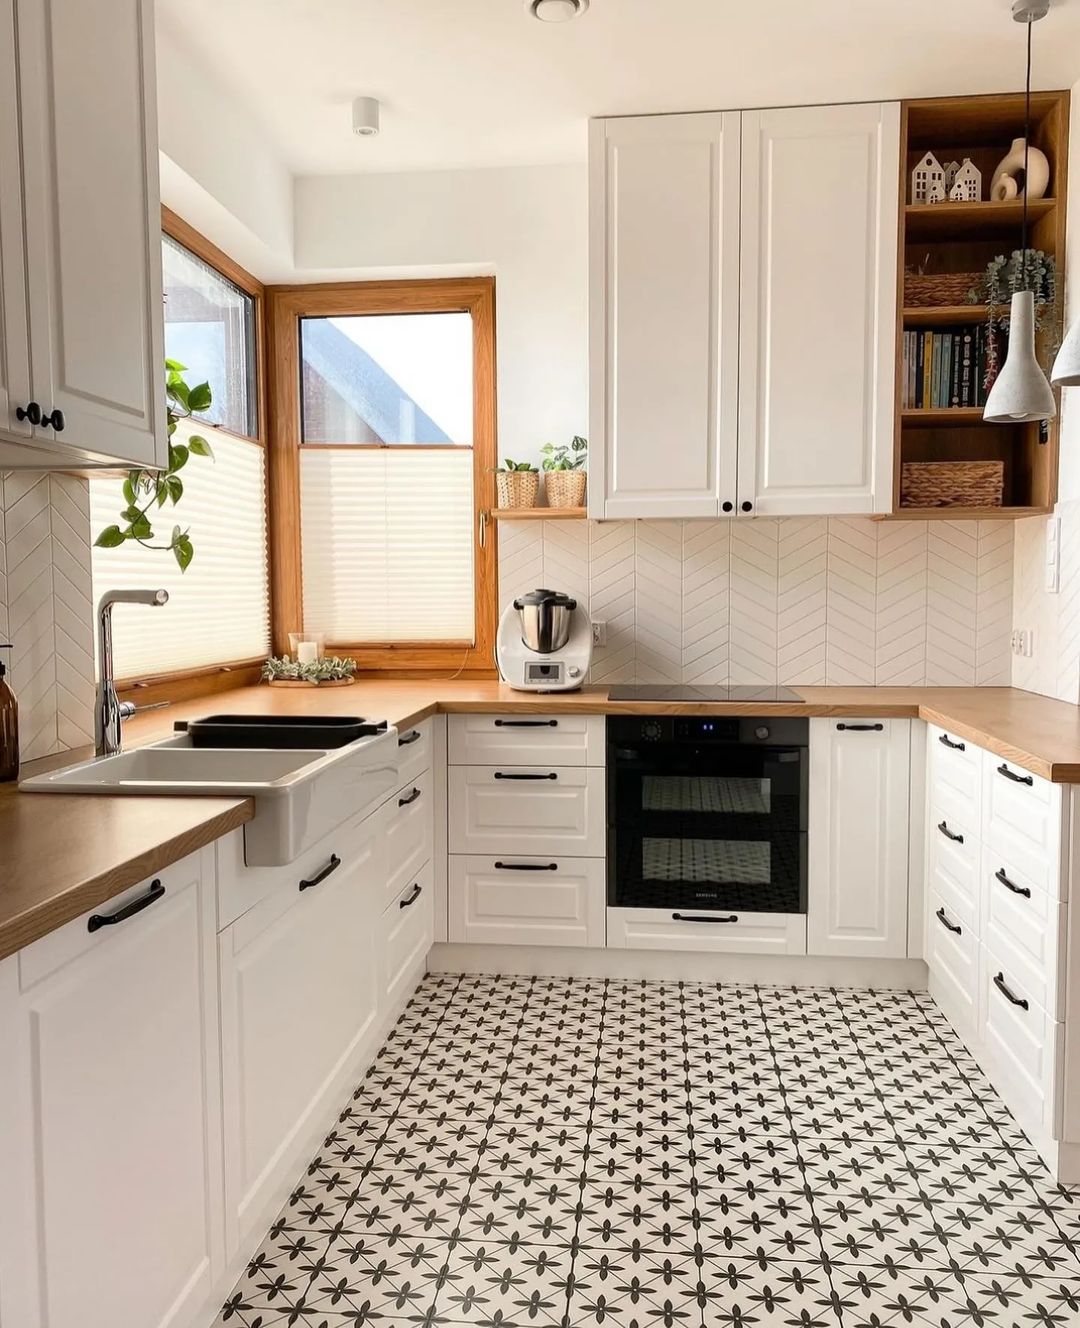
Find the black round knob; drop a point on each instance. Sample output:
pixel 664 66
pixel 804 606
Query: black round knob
pixel 54 421
pixel 729 507
pixel 748 506
pixel 31 413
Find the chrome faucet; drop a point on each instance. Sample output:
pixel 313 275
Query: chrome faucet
pixel 110 711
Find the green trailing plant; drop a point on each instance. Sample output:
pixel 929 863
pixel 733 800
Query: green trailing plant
pixel 1003 278
pixel 510 467
pixel 334 668
pixel 146 491
pixel 566 457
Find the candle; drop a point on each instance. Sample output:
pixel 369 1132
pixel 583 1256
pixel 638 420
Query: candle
pixel 307 652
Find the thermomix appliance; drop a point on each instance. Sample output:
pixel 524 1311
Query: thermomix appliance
pixel 544 643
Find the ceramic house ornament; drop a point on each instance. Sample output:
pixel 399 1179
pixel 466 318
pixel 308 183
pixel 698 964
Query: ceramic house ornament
pixel 966 186
pixel 937 192
pixel 929 174
pixel 1006 181
pixel 950 168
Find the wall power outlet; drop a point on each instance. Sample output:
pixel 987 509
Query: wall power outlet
pixel 599 633
pixel 1023 642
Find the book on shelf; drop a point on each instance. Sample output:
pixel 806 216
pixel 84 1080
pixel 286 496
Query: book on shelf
pixel 943 368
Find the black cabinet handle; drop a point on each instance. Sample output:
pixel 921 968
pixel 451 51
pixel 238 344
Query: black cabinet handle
pixel 409 797
pixel 747 506
pixel 409 738
pixel 1010 885
pixel 692 917
pixel 328 870
pixel 954 927
pixel 31 413
pixel 526 723
pixel 55 421
pixel 502 774
pixel 999 982
pixel 956 839
pixel 948 742
pixel 860 728
pixel 526 866
pixel 728 507
pixel 417 891
pixel 98 920
pixel 1016 779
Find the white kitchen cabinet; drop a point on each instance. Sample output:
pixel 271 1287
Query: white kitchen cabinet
pixel 87 221
pixel 406 934
pixel 110 1118
pixel 300 1000
pixel 716 933
pixel 523 810
pixel 742 312
pixel 664 307
pixel 521 900
pixel 858 837
pixel 817 332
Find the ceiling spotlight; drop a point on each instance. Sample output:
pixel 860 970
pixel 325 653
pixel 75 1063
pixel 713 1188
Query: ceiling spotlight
pixel 556 11
pixel 365 116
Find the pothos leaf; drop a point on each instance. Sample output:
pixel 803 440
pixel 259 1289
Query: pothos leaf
pixel 110 538
pixel 183 552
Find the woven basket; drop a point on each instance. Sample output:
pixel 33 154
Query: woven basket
pixel 952 483
pixel 517 488
pixel 565 488
pixel 923 291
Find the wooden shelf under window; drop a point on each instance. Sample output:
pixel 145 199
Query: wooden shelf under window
pixel 538 513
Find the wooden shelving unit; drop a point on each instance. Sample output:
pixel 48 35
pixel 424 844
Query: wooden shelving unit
pixel 964 237
pixel 538 513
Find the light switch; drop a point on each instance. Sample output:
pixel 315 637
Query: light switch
pixel 1053 554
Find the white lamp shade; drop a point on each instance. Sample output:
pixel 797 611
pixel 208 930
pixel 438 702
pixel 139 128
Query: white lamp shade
pixel 1066 372
pixel 1021 393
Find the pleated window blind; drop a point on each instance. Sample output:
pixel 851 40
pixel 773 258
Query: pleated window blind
pixel 219 609
pixel 387 544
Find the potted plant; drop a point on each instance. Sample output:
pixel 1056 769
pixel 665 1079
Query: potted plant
pixel 564 472
pixel 517 484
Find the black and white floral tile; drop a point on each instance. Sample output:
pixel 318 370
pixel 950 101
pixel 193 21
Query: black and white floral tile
pixel 571 1153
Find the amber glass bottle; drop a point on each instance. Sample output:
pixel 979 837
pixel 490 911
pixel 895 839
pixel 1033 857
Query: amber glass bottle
pixel 9 727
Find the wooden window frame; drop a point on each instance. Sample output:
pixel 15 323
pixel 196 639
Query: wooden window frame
pixel 188 684
pixel 286 305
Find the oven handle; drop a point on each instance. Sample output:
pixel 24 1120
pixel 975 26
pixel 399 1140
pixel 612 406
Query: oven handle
pixel 691 917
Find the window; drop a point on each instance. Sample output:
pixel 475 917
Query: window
pixel 218 613
pixel 385 431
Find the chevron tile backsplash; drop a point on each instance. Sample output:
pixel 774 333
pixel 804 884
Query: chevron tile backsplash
pixel 46 607
pixel 811 600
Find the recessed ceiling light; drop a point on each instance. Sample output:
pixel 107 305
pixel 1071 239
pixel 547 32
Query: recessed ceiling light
pixel 556 11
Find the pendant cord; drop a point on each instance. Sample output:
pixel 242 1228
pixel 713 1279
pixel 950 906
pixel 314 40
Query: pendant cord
pixel 1027 140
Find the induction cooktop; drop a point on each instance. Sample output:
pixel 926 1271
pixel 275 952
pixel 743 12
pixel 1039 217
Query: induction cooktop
pixel 686 692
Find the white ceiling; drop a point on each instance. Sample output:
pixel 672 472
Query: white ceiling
pixel 467 83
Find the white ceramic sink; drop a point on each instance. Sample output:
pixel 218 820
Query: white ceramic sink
pixel 299 795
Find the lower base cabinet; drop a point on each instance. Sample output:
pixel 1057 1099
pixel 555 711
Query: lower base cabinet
pixel 522 900
pixel 734 933
pixel 406 934
pixel 110 1116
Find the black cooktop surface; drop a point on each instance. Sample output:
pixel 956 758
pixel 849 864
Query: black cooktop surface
pixel 686 692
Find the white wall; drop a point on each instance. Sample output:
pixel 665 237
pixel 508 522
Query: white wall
pixel 527 225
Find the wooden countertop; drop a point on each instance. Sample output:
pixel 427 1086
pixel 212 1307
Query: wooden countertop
pixel 63 854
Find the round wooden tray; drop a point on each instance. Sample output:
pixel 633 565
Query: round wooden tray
pixel 298 682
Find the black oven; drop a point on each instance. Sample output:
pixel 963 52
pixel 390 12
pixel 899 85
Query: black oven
pixel 707 813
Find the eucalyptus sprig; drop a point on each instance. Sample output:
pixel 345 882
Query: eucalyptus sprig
pixel 146 489
pixel 333 668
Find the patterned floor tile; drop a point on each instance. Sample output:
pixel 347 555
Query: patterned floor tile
pixel 557 1153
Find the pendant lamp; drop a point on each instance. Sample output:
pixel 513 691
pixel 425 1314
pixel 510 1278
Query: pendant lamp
pixel 1066 372
pixel 1021 393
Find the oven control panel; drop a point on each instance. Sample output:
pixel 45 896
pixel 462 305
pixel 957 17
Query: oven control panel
pixel 700 730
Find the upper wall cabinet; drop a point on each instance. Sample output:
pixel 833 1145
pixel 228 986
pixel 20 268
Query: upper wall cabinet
pixel 81 328
pixel 742 312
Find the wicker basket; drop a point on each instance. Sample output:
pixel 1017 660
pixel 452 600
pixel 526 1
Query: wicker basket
pixel 933 288
pixel 952 483
pixel 517 488
pixel 565 488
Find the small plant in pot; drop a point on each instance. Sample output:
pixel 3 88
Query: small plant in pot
pixel 517 484
pixel 564 472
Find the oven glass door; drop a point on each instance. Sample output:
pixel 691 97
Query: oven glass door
pixel 709 827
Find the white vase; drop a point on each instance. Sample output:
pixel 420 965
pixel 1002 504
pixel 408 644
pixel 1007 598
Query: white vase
pixel 1005 185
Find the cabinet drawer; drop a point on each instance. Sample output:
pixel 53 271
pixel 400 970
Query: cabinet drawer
pixel 954 861
pixel 952 956
pixel 406 934
pixel 527 901
pixel 508 809
pixel 1022 1046
pixel 1022 821
pixel 955 766
pixel 409 832
pixel 526 739
pixel 1026 927
pixel 414 752
pixel 741 933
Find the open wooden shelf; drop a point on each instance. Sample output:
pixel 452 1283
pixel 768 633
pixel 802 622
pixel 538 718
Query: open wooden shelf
pixel 972 221
pixel 538 513
pixel 953 416
pixel 962 513
pixel 945 315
